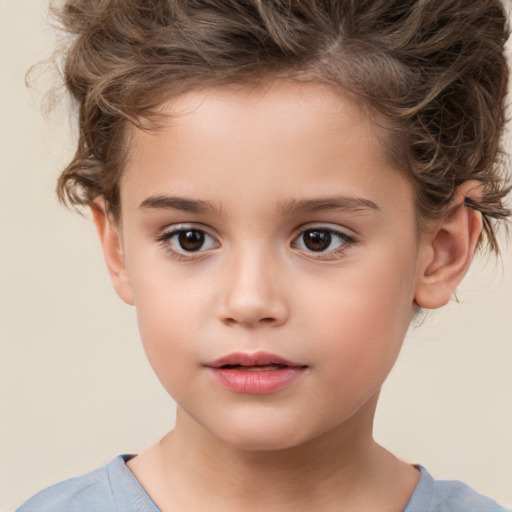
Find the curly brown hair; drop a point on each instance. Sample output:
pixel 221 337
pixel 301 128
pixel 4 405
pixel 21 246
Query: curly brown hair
pixel 434 70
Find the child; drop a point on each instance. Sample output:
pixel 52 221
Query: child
pixel 278 188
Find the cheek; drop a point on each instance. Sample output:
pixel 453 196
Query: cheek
pixel 360 319
pixel 167 314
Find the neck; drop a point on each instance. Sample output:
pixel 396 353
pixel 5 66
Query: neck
pixel 257 471
pixel 194 465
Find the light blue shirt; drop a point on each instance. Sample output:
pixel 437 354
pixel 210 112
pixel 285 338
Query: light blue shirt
pixel 114 488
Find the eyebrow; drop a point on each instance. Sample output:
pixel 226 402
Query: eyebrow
pixel 178 203
pixel 335 203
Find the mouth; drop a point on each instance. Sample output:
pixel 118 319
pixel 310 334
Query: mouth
pixel 256 361
pixel 255 374
pixel 254 368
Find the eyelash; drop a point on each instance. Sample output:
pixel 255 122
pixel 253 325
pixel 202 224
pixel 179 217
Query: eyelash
pixel 345 242
pixel 165 240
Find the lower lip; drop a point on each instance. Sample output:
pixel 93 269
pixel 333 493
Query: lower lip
pixel 257 382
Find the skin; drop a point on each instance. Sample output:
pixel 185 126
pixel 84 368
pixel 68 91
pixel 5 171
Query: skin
pixel 255 159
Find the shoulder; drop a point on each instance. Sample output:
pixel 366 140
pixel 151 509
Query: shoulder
pixel 77 494
pixel 452 495
pixel 110 488
pixel 448 496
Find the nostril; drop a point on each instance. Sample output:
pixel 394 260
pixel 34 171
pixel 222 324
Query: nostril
pixel 249 322
pixel 252 307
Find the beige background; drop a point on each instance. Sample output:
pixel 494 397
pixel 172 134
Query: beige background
pixel 75 388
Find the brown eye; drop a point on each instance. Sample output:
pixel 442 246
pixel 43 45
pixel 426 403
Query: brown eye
pixel 183 241
pixel 325 242
pixel 191 240
pixel 317 239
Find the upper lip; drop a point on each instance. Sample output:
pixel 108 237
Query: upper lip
pixel 254 359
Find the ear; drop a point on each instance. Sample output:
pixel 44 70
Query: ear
pixel 448 249
pixel 111 243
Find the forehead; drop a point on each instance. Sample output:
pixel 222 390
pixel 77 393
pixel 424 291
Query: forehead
pixel 275 112
pixel 282 135
pixel 269 102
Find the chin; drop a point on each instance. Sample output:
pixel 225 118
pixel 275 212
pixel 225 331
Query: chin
pixel 260 444
pixel 258 437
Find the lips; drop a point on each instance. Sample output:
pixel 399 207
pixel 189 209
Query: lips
pixel 256 374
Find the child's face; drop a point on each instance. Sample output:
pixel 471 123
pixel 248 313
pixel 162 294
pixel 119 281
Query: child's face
pixel 298 239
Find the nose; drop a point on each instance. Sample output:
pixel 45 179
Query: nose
pixel 252 293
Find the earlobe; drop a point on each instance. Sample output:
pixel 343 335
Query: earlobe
pixel 110 239
pixel 448 249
